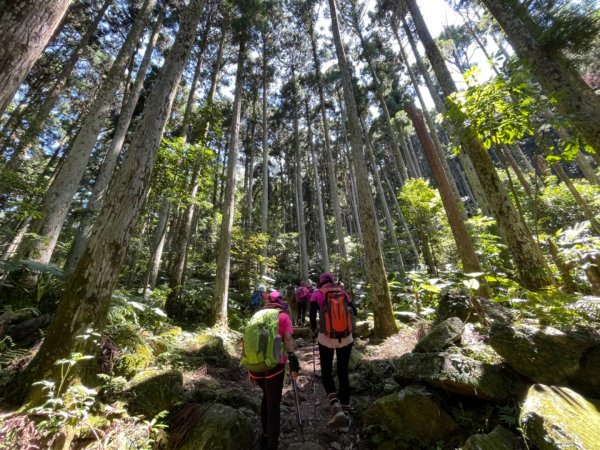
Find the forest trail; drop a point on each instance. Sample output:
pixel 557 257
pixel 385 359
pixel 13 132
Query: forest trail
pixel 312 399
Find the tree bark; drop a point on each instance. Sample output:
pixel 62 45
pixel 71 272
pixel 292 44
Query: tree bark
pixel 531 266
pixel 87 295
pixel 158 244
pixel 298 180
pixel 220 300
pixel 26 27
pixel 331 175
pixel 587 210
pixel 384 205
pixel 462 238
pixel 111 157
pixel 385 324
pixel 57 200
pixel 264 222
pixel 320 214
pixel 36 125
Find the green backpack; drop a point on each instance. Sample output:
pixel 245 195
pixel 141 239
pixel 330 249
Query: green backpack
pixel 262 343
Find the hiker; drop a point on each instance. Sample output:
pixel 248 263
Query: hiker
pixel 336 322
pixel 271 381
pixel 259 297
pixel 303 294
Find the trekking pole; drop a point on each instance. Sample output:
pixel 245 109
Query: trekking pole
pixel 298 418
pixel 314 383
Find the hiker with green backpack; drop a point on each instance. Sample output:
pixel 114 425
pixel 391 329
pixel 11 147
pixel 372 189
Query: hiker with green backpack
pixel 267 338
pixel 336 323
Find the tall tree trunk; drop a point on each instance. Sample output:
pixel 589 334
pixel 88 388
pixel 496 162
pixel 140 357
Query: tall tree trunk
pixel 321 216
pixel 111 157
pixel 432 130
pixel 220 300
pixel 462 238
pixel 402 220
pixel 331 176
pixel 529 261
pixel 299 190
pixel 250 187
pixel 382 199
pixel 87 295
pixel 26 27
pixel 467 165
pixel 157 245
pixel 587 210
pixel 57 200
pixel 557 76
pixel 382 306
pixel 41 115
pixel 264 216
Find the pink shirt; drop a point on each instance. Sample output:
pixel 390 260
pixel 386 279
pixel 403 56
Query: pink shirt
pixel 285 326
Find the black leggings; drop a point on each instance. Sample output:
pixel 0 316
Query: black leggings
pixel 343 358
pixel 301 312
pixel 271 385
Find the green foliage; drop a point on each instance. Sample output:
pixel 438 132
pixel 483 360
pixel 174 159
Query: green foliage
pixel 125 310
pixel 505 110
pixel 69 407
pixel 489 246
pixel 557 209
pixel 419 202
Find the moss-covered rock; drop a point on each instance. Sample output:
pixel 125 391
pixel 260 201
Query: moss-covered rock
pixel 219 427
pixel 210 348
pixel 554 418
pixel 356 358
pixel 587 378
pixel 588 307
pixel 411 416
pixel 499 439
pixel 441 336
pixel 545 355
pixel 364 329
pixel 406 316
pixel 153 391
pixel 457 373
pixel 134 354
pixel 234 397
pixel 453 305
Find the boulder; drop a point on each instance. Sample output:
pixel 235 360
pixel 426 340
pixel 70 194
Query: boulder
pixel 211 350
pixel 441 336
pixel 374 376
pixel 587 378
pixel 218 427
pixel 455 372
pixel 153 391
pixel 499 439
pixel 406 316
pixel 411 416
pixel 134 354
pixel 554 418
pixel 545 355
pixel 234 397
pixel 364 329
pixel 588 307
pixel 356 358
pixel 454 305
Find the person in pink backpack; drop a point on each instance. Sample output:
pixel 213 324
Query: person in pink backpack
pixel 303 293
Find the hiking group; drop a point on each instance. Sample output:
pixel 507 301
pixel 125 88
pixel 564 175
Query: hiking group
pixel 268 337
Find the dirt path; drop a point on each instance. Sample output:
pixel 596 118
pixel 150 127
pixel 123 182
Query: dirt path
pixel 314 409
